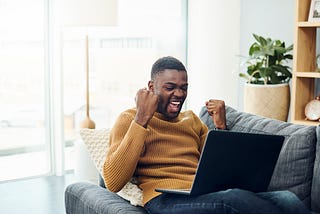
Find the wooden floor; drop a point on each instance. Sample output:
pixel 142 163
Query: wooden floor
pixel 43 195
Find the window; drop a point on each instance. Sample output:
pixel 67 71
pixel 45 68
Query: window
pixel 120 63
pixel 23 143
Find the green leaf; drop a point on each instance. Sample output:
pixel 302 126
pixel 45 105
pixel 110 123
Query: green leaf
pixel 265 62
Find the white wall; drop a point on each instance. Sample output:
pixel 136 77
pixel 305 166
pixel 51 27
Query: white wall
pixel 272 18
pixel 218 33
pixel 213 46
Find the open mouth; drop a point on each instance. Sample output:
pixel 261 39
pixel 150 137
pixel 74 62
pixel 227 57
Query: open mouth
pixel 174 106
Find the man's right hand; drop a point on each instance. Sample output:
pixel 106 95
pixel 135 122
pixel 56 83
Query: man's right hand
pixel 147 104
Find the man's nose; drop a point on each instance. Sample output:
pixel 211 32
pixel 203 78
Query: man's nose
pixel 179 92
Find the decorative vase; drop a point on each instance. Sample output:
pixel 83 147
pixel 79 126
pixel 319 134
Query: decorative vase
pixel 272 101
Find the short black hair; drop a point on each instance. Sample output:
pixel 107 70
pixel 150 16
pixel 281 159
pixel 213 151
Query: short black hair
pixel 167 62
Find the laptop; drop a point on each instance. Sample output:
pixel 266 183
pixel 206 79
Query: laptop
pixel 232 159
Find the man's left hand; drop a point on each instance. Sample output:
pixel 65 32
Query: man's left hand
pixel 217 111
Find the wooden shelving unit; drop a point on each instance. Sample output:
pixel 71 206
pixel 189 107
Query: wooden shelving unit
pixel 304 63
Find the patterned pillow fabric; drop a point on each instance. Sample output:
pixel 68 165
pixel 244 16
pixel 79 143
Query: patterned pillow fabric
pixel 97 144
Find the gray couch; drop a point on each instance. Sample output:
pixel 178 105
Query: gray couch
pixel 297 170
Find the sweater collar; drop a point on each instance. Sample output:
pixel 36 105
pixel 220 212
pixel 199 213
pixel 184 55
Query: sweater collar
pixel 162 117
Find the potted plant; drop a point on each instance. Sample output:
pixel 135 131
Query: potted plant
pixel 267 79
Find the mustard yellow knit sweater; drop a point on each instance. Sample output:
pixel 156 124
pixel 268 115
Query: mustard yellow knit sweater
pixel 165 155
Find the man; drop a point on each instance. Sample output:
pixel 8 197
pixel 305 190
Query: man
pixel 161 146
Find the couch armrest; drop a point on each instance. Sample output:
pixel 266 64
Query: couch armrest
pixel 84 198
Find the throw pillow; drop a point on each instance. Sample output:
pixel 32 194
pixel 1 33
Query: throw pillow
pixel 97 144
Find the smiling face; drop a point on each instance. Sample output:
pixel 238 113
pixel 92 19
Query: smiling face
pixel 172 87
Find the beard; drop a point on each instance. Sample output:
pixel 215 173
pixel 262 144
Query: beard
pixel 171 108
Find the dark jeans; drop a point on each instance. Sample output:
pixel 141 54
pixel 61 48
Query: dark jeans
pixel 230 201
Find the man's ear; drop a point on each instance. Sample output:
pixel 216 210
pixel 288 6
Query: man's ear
pixel 151 85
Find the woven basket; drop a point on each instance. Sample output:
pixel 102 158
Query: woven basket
pixel 270 101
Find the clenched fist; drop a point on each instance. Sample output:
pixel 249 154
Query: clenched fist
pixel 147 104
pixel 217 111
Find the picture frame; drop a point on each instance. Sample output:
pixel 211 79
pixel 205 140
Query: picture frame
pixel 314 11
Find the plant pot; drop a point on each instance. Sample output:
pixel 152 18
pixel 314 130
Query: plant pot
pixel 272 101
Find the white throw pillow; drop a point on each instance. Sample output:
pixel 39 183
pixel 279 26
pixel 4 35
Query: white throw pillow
pixel 97 144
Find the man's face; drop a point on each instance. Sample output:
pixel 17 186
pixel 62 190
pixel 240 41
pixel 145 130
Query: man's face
pixel 172 87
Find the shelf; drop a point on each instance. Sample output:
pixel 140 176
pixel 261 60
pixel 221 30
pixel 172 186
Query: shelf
pixel 307 74
pixel 308 24
pixel 304 74
pixel 306 122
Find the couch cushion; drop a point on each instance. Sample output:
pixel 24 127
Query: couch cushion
pixel 315 190
pixel 97 144
pixel 85 198
pixel 294 169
